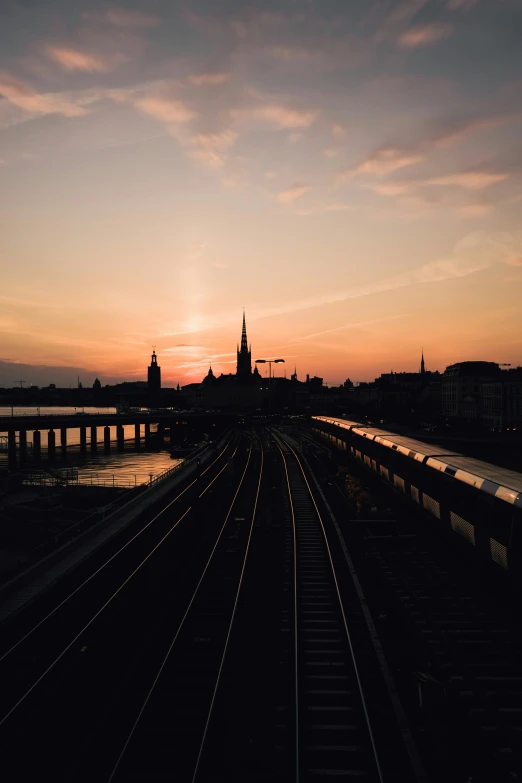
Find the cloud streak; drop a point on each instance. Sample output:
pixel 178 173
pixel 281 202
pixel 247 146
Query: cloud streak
pixel 292 193
pixel 425 35
pixel 24 97
pixel 75 60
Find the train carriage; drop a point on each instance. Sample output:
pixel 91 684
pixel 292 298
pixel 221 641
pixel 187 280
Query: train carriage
pixel 480 502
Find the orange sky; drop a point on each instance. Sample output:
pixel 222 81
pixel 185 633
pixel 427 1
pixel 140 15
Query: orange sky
pixel 351 176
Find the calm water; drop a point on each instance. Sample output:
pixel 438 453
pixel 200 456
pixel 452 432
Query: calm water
pixel 127 467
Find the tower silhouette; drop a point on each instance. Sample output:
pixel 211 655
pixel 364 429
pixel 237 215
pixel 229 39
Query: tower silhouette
pixel 244 357
pixel 154 379
pixel 422 368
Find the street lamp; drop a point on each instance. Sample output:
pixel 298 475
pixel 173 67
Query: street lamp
pixel 270 362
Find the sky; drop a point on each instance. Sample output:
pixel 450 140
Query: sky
pixel 348 172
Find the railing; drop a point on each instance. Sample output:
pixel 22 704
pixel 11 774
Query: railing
pixel 101 513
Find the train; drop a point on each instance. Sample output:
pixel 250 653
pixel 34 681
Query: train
pixel 480 502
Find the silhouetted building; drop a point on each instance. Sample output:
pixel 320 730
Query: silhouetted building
pixel 96 384
pixel 244 357
pixel 462 389
pixel 154 379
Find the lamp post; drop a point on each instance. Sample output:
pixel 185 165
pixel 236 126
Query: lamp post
pixel 270 362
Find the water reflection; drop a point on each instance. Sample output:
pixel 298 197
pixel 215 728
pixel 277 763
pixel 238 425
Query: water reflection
pixel 125 468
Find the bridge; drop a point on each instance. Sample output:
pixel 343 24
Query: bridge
pixel 17 427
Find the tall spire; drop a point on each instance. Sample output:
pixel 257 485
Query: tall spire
pixel 244 356
pixel 422 368
pixel 244 343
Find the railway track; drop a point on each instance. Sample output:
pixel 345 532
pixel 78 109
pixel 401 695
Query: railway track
pixel 166 738
pixel 338 728
pixel 452 635
pixel 63 665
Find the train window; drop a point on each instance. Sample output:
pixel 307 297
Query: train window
pixel 462 527
pixel 431 505
pixel 498 553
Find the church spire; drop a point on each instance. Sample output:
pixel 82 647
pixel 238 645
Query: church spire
pixel 244 343
pixel 422 368
pixel 244 356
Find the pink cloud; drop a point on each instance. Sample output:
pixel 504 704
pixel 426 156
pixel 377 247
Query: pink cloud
pixel 292 193
pixel 26 98
pixel 384 161
pixel 389 189
pixel 209 79
pixel 280 116
pixel 468 180
pixel 515 261
pixel 424 36
pixel 338 129
pixel 211 148
pixel 164 109
pixel 467 128
pixel 74 60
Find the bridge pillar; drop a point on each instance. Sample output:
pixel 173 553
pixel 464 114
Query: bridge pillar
pixel 107 438
pixel 94 442
pixel 137 435
pixel 51 444
pixel 147 432
pixel 63 438
pixel 161 432
pixel 11 449
pixel 83 439
pixel 120 435
pixel 37 444
pixel 23 445
pixel 173 432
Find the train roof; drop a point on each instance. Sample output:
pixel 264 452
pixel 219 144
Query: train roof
pixel 492 479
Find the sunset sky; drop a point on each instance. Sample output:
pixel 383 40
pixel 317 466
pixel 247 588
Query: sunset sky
pixel 349 171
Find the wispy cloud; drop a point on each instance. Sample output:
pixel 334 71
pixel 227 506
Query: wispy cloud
pixel 320 208
pixel 514 261
pixel 75 60
pixel 389 188
pixel 292 193
pixel 211 148
pixel 425 35
pixel 23 96
pixel 352 325
pixel 169 110
pixel 282 117
pixel 338 129
pixel 209 79
pixel 477 251
pixel 383 161
pixel 469 180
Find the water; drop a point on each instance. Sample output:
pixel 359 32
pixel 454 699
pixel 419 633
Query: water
pixel 127 467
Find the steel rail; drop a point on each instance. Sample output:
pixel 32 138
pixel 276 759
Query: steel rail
pixel 279 437
pixel 178 630
pixel 87 625
pixel 106 563
pixel 296 634
pixel 231 623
